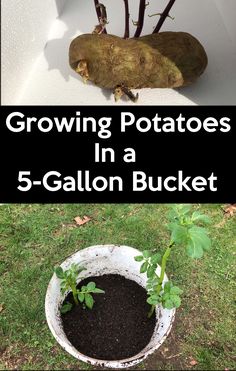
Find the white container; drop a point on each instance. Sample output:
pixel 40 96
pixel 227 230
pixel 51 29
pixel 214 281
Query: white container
pixel 36 36
pixel 99 260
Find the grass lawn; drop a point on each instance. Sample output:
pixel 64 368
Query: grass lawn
pixel 35 238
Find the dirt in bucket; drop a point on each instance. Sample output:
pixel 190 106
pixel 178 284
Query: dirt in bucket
pixel 117 327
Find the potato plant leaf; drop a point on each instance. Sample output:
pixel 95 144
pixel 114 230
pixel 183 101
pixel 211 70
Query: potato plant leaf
pixel 89 301
pixel 174 290
pixel 147 254
pixel 144 267
pixel 171 301
pixel 179 234
pixel 59 272
pixel 66 308
pixel 153 280
pixel 170 298
pixel 150 271
pixel 198 242
pixel 80 296
pixel 198 217
pixel 183 209
pixel 153 300
pixel 139 258
pixel 98 291
pixel 155 259
pixel 178 211
pixel 91 286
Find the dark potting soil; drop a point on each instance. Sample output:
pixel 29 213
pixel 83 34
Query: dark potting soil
pixel 117 327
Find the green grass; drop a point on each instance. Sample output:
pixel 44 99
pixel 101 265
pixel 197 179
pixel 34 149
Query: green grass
pixel 35 238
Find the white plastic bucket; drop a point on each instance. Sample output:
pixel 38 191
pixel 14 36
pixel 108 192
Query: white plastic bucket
pixel 99 260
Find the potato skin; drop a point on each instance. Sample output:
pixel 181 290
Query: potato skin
pixel 163 60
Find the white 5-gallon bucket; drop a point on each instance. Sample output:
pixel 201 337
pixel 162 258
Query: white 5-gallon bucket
pixel 99 260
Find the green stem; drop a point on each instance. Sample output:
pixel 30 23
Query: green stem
pixel 163 268
pixel 151 311
pixel 74 292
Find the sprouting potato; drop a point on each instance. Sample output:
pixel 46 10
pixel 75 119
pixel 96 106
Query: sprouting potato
pixel 162 60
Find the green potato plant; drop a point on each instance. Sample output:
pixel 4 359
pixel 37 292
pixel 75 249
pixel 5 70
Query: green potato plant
pixel 186 230
pixel 69 282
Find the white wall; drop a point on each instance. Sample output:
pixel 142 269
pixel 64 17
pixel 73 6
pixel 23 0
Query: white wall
pixel 227 11
pixel 35 62
pixel 25 27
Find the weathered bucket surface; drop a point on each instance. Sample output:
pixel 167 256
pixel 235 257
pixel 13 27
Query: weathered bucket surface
pixel 99 260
